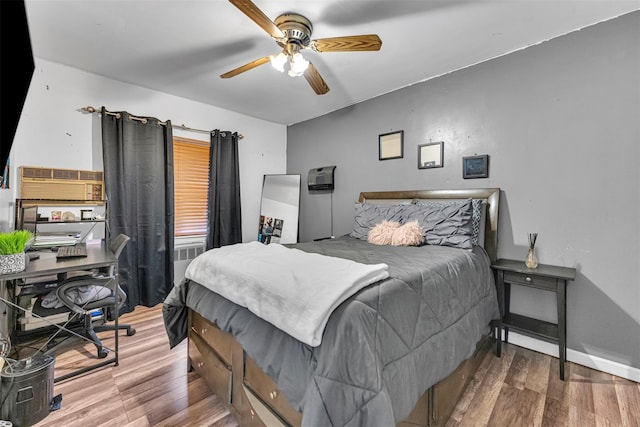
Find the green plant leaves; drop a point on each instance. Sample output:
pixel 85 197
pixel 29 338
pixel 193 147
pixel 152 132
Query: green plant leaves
pixel 14 242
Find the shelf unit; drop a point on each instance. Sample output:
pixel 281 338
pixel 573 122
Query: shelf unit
pixel 28 216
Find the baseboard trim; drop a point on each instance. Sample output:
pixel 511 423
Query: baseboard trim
pixel 588 360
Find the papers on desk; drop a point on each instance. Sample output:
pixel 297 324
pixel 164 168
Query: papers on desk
pixel 49 241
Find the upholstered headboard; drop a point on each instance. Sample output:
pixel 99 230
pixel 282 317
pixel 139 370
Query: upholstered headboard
pixel 490 196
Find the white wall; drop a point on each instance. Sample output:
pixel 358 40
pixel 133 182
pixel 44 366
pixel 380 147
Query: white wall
pixel 53 133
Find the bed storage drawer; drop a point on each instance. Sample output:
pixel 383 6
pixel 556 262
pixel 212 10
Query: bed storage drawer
pixel 220 342
pixel 265 389
pixel 446 394
pixel 208 365
pixel 419 416
pixel 257 413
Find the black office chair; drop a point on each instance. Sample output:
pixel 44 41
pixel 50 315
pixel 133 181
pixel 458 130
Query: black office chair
pixel 92 282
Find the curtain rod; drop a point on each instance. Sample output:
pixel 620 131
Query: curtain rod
pixel 90 109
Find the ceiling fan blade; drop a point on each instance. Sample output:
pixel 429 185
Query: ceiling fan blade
pixel 256 15
pixel 367 42
pixel 315 80
pixel 245 67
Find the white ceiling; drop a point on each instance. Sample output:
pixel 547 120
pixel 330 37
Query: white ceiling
pixel 181 47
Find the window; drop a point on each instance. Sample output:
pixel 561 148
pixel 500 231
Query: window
pixel 191 186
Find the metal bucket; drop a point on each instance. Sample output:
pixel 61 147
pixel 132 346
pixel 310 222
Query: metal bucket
pixel 26 389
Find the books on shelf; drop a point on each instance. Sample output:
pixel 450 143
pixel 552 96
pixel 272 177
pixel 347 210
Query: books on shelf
pixel 38 285
pixel 28 322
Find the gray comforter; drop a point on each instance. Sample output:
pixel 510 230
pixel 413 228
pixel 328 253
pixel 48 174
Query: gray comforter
pixel 381 349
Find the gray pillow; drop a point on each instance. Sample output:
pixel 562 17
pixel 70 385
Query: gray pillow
pixel 367 215
pixel 477 223
pixel 445 224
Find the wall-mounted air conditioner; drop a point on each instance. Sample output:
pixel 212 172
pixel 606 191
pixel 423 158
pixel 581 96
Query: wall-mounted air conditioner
pixel 321 178
pixel 61 184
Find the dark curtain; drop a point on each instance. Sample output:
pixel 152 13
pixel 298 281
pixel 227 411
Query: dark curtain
pixel 224 216
pixel 138 166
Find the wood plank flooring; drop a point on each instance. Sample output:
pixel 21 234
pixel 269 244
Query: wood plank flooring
pixel 151 387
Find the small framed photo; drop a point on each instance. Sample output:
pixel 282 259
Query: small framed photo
pixel 475 167
pixel 391 145
pixel 86 214
pixel 431 155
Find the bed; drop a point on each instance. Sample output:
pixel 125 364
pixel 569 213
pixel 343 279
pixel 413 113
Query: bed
pixel 399 351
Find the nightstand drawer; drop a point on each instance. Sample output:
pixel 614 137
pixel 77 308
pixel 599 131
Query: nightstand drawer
pixel 530 280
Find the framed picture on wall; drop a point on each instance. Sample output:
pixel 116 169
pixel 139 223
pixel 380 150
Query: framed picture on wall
pixel 475 166
pixel 431 155
pixel 390 145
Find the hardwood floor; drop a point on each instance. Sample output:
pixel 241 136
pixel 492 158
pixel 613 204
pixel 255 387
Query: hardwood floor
pixel 523 388
pixel 151 387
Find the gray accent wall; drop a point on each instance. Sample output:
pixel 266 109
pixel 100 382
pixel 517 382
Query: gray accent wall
pixel 561 123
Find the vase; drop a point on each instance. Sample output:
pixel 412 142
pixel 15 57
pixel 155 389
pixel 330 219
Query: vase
pixel 13 263
pixel 531 261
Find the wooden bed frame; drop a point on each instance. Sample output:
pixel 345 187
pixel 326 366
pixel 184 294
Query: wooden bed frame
pixel 253 397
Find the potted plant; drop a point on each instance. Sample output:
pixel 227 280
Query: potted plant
pixel 12 246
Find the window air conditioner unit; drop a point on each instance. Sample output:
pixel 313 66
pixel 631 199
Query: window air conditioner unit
pixel 61 184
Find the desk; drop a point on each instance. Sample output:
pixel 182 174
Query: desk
pixel 98 256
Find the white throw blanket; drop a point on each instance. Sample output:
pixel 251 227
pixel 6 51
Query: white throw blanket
pixel 294 290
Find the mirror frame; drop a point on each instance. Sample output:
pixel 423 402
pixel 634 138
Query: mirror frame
pixel 278 213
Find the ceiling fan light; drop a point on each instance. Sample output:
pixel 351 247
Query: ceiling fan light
pixel 298 65
pixel 278 61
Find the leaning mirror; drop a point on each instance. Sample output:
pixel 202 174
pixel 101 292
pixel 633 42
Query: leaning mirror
pixel 279 209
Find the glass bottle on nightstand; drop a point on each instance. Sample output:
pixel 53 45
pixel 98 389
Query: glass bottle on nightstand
pixel 532 261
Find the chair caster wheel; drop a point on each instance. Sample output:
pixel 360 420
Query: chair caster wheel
pixel 131 332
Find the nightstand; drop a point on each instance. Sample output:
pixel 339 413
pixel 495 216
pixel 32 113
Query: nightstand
pixel 546 277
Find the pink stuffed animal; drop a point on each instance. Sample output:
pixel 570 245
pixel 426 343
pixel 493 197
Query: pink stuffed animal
pixel 382 233
pixel 392 233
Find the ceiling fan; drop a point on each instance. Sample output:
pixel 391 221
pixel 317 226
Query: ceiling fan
pixel 292 32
